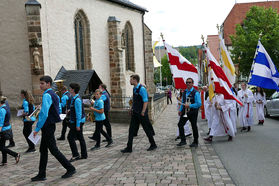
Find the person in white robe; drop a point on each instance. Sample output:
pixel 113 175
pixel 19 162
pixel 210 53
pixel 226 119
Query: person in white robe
pixel 187 130
pixel 232 112
pixel 245 114
pixel 260 100
pixel 208 111
pixel 221 121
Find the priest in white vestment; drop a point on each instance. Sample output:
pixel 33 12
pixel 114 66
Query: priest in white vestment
pixel 232 112
pixel 245 114
pixel 260 100
pixel 221 121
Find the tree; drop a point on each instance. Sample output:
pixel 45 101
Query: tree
pixel 166 72
pixel 190 53
pixel 258 20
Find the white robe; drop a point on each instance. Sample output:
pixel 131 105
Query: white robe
pixel 221 121
pixel 260 106
pixel 232 112
pixel 245 114
pixel 187 129
pixel 208 111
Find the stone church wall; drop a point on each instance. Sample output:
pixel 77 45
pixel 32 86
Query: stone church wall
pixel 15 73
pixel 58 37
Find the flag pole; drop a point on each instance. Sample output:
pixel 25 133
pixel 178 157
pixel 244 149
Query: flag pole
pixel 162 36
pixel 252 67
pixel 160 60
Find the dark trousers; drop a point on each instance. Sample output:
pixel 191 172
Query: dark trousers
pixel 48 143
pixel 12 142
pixel 106 123
pixel 169 98
pixel 149 125
pixel 99 128
pixel 192 116
pixel 27 129
pixel 74 134
pixel 134 125
pixel 65 123
pixel 5 150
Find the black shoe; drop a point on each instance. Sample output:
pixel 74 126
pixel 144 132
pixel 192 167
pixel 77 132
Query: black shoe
pixel 10 145
pixel 61 138
pixel 243 128
pixel 177 138
pixel 152 147
pixel 249 128
pixel 69 174
pixel 194 144
pixel 74 159
pixel 38 178
pixel 182 143
pixel 91 137
pixel 95 148
pixel 188 135
pixel 230 138
pixel 126 150
pixel 30 150
pixel 109 143
pixel 105 140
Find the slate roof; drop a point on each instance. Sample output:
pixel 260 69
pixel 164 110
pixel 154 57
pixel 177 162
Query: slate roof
pixel 129 4
pixel 82 77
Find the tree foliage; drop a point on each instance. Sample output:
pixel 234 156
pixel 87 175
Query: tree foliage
pixel 190 53
pixel 258 20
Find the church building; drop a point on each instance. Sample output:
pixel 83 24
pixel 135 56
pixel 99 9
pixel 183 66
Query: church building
pixel 39 37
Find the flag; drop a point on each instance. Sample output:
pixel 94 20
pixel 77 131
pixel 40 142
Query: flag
pixel 181 68
pixel 228 65
pixel 264 73
pixel 155 61
pixel 220 81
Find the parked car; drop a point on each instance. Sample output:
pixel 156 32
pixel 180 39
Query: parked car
pixel 272 105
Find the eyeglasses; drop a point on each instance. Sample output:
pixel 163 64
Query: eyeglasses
pixel 188 82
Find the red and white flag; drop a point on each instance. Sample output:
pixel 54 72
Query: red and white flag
pixel 221 83
pixel 181 68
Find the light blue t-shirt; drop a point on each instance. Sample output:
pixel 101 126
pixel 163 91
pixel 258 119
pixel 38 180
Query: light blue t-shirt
pixel 25 106
pixel 99 104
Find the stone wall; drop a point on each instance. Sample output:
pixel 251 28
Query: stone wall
pixel 149 66
pixel 15 73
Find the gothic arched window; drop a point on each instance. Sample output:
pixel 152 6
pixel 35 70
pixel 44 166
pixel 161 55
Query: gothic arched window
pixel 82 39
pixel 129 47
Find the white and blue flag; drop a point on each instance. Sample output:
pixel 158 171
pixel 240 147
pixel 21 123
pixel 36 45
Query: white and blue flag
pixel 264 73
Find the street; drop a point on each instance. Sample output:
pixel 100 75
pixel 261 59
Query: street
pixel 167 165
pixel 251 158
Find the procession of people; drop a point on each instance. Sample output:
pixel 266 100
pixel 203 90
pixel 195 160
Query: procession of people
pixel 221 115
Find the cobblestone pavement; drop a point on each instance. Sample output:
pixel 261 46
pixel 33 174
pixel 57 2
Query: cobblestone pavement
pixel 167 165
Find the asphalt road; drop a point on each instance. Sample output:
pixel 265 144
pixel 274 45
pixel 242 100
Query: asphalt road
pixel 251 158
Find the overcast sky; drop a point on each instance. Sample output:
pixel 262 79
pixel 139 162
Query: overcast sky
pixel 183 21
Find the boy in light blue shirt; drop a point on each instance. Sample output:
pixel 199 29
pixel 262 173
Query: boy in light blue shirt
pixel 100 117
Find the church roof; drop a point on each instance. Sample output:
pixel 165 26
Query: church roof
pixel 129 4
pixel 85 78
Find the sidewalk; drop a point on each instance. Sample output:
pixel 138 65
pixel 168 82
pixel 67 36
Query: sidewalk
pixel 167 165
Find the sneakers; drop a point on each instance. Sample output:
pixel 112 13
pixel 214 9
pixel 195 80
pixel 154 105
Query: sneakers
pixel 74 159
pixel 126 150
pixel 109 143
pixel 194 144
pixel 208 139
pixel 38 178
pixel 69 174
pixel 152 147
pixel 30 150
pixel 182 143
pixel 17 158
pixel 95 148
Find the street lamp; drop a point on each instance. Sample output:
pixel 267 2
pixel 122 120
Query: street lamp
pixel 32 7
